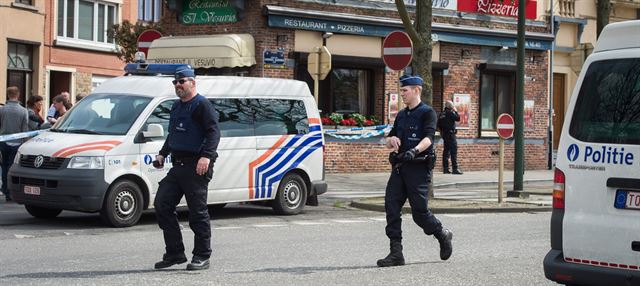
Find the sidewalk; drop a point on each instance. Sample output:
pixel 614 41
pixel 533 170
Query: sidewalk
pixel 471 192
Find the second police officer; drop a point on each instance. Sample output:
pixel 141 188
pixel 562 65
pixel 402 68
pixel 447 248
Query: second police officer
pixel 412 159
pixel 192 142
pixel 447 126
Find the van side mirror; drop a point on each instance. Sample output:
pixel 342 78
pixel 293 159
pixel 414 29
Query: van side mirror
pixel 153 130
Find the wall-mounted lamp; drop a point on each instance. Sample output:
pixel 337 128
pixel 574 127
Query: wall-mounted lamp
pixel 325 36
pixel 504 48
pixel 281 38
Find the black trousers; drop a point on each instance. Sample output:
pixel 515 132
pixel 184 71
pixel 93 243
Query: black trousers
pixel 450 148
pixel 410 181
pixel 183 180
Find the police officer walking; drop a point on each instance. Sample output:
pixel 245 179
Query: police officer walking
pixel 192 142
pixel 447 126
pixel 412 160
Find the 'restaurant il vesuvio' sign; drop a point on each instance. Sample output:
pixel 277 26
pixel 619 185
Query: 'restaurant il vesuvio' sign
pixel 507 8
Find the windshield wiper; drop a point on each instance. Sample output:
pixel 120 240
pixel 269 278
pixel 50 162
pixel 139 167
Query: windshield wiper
pixel 56 130
pixel 82 131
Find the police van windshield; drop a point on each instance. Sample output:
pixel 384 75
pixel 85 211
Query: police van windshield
pixel 608 106
pixel 106 114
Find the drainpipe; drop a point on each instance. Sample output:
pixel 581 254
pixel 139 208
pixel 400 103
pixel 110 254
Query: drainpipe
pixel 550 127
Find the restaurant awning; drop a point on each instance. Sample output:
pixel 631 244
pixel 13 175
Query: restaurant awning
pixel 207 51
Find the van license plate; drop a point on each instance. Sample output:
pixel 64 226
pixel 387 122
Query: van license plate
pixel 32 190
pixel 627 200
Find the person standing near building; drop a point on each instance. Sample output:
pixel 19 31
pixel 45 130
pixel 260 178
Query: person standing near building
pixel 13 119
pixel 51 114
pixel 412 159
pixel 34 105
pixel 192 142
pixel 447 125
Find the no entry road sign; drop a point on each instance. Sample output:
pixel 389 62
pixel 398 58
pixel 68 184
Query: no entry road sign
pixel 505 126
pixel 145 39
pixel 397 50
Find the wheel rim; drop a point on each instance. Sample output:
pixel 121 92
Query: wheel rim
pixel 125 204
pixel 292 195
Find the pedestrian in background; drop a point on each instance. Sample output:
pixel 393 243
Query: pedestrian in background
pixel 447 126
pixel 80 96
pixel 13 119
pixel 52 109
pixel 192 142
pixel 34 105
pixel 412 159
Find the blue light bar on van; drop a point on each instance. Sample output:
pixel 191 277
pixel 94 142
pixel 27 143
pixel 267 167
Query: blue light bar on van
pixel 154 69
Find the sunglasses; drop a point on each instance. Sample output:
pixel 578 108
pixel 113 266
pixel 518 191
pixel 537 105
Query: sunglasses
pixel 181 81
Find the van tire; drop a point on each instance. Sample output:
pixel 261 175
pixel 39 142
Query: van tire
pixel 122 206
pixel 41 212
pixel 291 196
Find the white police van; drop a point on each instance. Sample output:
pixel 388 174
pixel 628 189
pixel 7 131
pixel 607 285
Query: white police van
pixel 98 158
pixel 595 223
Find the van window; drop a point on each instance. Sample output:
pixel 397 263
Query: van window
pixel 160 115
pixel 608 106
pixel 280 117
pixel 236 117
pixel 109 114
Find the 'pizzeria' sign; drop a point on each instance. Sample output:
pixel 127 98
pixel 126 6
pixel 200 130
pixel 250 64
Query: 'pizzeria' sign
pixel 507 8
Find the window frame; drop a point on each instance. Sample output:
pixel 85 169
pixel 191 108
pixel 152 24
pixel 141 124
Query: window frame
pixel 496 103
pixel 112 16
pixel 155 11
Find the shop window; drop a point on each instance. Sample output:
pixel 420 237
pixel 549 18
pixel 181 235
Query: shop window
pixel 86 20
pixel 25 2
pixel 149 10
pixel 19 69
pixel 497 93
pixel 349 91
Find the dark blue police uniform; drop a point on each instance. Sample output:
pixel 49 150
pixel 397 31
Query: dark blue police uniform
pixel 410 179
pixel 447 126
pixel 193 133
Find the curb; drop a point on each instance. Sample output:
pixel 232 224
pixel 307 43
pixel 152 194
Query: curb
pixel 484 183
pixel 380 208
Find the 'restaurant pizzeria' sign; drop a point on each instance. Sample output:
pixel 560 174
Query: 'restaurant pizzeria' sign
pixel 507 8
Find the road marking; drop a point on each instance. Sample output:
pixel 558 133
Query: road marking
pixel 458 215
pixel 378 218
pixel 348 221
pixel 309 222
pixel 24 236
pixel 269 225
pixel 227 227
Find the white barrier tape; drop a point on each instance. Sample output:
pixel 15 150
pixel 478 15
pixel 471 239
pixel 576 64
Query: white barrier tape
pixel 14 136
pixel 377 127
pixel 359 136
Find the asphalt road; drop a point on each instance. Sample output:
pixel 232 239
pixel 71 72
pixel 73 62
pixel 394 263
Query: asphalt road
pixel 324 246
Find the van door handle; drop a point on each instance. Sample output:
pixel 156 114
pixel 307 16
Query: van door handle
pixel 623 183
pixel 635 245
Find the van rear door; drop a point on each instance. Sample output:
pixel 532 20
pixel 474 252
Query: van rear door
pixel 600 156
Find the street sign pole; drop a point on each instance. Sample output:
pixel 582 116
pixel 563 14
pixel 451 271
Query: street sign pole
pixel 505 127
pixel 318 66
pixel 501 172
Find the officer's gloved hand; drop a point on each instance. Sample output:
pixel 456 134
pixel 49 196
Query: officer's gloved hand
pixel 393 157
pixel 409 154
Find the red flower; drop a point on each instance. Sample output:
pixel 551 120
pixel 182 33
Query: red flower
pixel 368 122
pixel 326 121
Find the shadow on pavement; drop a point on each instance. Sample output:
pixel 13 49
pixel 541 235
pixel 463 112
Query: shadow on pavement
pixel 85 274
pixel 312 269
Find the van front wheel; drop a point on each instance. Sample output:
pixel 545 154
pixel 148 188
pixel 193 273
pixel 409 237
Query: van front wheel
pixel 291 196
pixel 122 206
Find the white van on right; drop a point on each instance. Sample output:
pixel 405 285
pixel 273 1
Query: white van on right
pixel 595 223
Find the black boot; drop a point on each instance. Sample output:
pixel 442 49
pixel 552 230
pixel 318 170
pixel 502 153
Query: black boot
pixel 446 248
pixel 457 171
pixel 395 257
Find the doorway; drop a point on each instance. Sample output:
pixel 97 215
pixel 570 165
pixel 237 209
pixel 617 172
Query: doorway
pixel 558 107
pixel 59 81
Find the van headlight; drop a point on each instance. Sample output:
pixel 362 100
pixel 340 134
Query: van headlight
pixel 16 160
pixel 86 163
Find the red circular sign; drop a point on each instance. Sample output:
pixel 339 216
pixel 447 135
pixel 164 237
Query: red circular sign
pixel 505 126
pixel 145 39
pixel 397 50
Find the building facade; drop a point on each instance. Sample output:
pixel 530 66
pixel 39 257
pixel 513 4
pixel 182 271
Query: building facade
pixel 78 54
pixel 22 41
pixel 575 29
pixel 474 64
